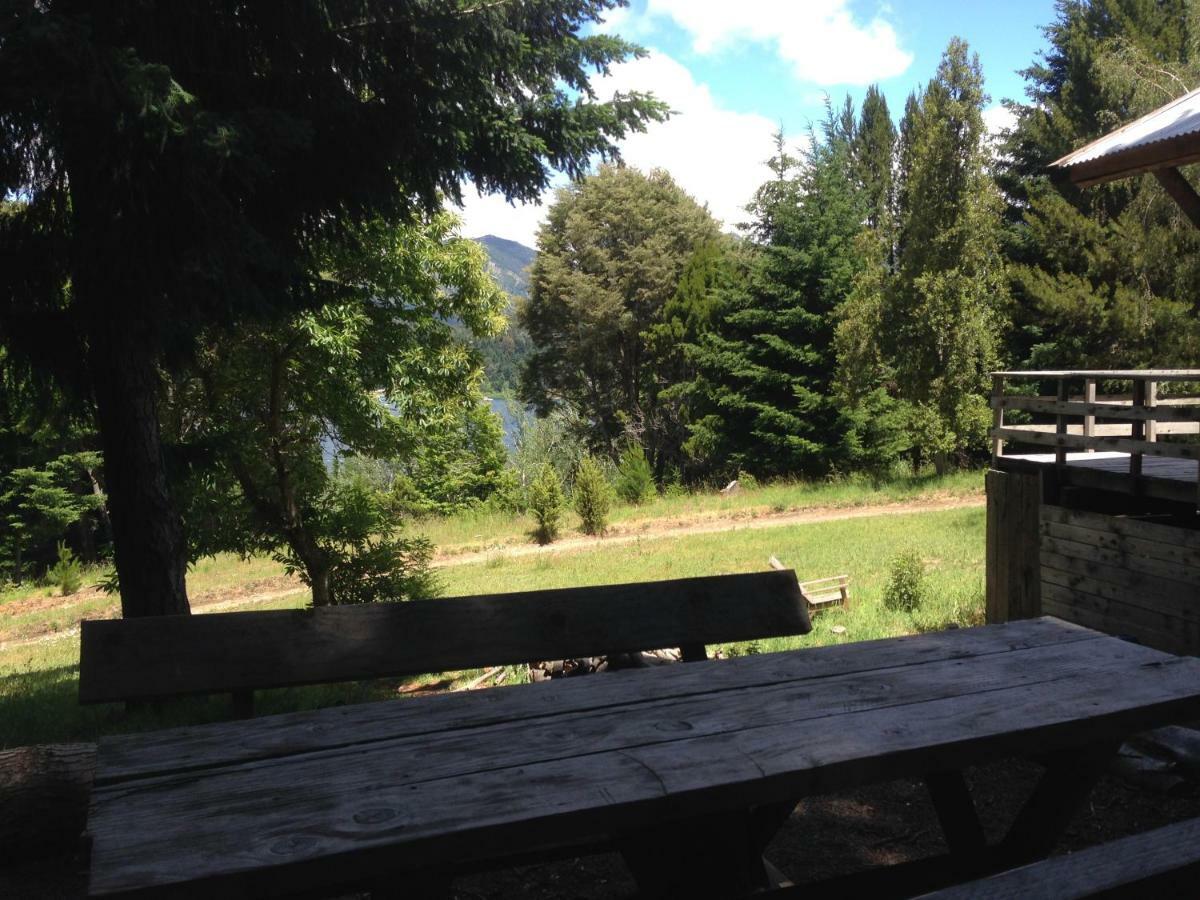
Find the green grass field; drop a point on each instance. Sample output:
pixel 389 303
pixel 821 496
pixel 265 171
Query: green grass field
pixel 38 681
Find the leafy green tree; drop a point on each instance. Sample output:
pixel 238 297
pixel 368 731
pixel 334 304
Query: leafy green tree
pixel 591 496
pixel 610 257
pixel 178 165
pixel 546 503
pixel 763 393
pixel 380 373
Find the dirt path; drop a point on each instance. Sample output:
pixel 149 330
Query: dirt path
pixel 652 530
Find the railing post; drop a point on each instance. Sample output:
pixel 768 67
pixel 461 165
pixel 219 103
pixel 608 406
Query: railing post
pixel 1060 424
pixel 1151 402
pixel 997 416
pixel 1138 429
pixel 1089 420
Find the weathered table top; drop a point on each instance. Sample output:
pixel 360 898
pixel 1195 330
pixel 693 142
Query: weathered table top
pixel 301 800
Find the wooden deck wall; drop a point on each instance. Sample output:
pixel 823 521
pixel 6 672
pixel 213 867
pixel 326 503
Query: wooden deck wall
pixel 1123 576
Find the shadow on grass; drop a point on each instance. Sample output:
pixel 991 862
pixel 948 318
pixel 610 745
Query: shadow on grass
pixel 42 707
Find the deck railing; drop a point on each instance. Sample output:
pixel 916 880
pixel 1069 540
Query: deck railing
pixel 1129 423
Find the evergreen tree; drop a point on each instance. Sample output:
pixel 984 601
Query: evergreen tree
pixel 766 366
pixel 873 153
pixel 942 315
pixel 1104 277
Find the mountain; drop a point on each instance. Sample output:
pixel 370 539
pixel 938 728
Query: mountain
pixel 508 262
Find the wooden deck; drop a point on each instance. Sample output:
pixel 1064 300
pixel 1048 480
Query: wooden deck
pixel 1162 477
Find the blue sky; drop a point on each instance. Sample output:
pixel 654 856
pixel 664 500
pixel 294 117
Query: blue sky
pixel 736 70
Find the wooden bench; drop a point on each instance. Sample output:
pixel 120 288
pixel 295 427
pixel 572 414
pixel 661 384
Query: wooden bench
pixel 821 593
pixel 149 659
pixel 826 592
pixel 1160 863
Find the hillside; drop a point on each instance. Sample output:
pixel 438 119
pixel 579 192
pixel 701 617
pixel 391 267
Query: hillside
pixel 509 263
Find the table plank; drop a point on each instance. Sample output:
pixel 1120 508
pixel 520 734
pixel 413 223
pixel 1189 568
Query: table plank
pixel 190 748
pixel 456 795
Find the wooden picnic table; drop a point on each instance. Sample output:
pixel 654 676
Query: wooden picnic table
pixel 689 770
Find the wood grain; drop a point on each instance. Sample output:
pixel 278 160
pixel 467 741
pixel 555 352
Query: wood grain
pixel 644 757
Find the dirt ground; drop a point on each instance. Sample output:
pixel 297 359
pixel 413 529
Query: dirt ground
pixel 825 837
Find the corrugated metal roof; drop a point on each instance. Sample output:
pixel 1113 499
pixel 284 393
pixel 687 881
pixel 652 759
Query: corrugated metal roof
pixel 1176 119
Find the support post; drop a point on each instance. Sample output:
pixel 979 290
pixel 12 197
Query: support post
pixel 1060 424
pixel 997 415
pixel 1138 429
pixel 1089 420
pixel 1014 566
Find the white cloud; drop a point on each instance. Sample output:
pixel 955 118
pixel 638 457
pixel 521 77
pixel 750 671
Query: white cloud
pixel 715 154
pixel 821 39
pixel 997 119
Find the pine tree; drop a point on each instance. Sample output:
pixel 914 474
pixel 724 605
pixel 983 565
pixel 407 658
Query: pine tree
pixel 765 368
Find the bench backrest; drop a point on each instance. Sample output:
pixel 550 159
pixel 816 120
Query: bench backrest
pixel 168 656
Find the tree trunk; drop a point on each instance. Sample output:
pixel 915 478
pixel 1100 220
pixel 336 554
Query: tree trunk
pixel 44 795
pixel 148 542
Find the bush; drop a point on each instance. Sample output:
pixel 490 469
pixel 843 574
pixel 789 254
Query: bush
pixel 905 591
pixel 67 573
pixel 592 496
pixel 546 503
pixel 634 481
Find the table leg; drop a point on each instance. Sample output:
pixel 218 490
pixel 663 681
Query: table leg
pixel 1069 777
pixel 718 855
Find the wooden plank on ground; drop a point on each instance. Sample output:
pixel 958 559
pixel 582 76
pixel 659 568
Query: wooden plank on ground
pixel 125 757
pixel 475 793
pixel 1164 862
pixel 279 648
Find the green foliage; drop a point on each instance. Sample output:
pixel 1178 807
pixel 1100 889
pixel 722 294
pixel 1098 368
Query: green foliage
pixel 369 560
pixel 545 502
pixel 67 571
pixel 634 482
pixel 1104 277
pixel 557 439
pixel 193 165
pixel 591 496
pixel 381 375
pixel 921 326
pixel 762 399
pixel 610 257
pixel 906 587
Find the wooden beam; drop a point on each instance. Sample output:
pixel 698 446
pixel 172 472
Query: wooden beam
pixel 1181 192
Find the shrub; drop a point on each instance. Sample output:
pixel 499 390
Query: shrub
pixel 746 480
pixel 67 573
pixel 906 587
pixel 592 496
pixel 546 503
pixel 634 481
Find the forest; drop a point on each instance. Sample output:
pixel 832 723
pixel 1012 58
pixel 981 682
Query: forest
pixel 848 325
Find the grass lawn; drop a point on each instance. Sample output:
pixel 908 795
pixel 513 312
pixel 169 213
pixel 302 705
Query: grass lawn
pixel 38 682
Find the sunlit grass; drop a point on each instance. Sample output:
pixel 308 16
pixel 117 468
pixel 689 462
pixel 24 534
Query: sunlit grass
pixel 39 681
